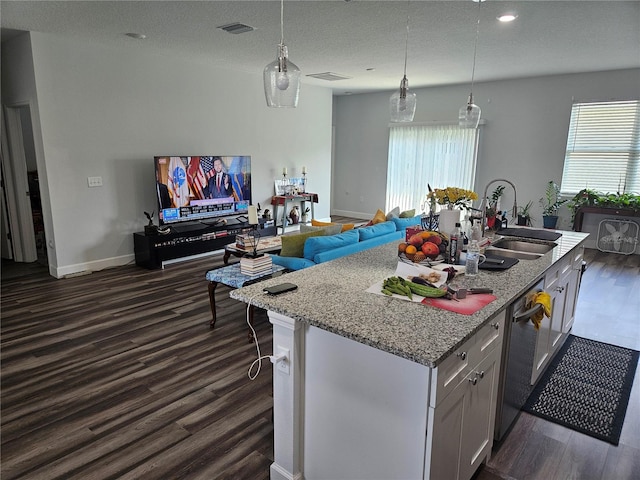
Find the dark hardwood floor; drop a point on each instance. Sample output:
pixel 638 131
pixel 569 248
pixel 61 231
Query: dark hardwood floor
pixel 117 375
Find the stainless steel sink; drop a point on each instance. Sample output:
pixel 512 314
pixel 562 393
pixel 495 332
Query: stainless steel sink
pixel 522 249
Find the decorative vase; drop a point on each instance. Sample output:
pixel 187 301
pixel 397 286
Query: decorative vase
pixel 523 221
pixel 447 220
pixel 549 221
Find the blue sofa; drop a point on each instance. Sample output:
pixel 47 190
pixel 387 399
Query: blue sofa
pixel 319 249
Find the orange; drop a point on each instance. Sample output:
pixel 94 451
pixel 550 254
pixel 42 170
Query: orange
pixel 410 250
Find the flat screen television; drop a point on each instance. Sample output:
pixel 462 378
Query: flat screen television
pixel 194 189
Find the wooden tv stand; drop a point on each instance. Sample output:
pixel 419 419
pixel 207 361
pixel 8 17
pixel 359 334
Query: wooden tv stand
pixel 153 251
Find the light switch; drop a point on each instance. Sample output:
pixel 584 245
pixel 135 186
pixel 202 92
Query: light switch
pixel 94 181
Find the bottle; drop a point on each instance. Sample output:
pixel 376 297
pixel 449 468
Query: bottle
pixel 475 232
pixel 473 257
pixel 455 245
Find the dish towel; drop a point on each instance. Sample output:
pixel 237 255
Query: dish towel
pixel 544 299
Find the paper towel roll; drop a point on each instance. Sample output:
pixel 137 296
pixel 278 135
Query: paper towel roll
pixel 253 215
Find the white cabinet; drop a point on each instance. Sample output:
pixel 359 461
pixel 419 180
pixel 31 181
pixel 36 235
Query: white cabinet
pixel 561 283
pixel 462 413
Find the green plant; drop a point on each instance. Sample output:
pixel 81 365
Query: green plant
pixel 551 202
pixel 592 198
pixel 524 213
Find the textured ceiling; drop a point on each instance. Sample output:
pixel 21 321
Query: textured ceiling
pixel 350 38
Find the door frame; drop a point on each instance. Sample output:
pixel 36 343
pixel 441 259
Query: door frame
pixel 16 181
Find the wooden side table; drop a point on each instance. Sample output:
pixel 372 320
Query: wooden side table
pixel 287 200
pixel 231 276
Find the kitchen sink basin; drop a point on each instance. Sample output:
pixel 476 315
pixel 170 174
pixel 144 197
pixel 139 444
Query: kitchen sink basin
pixel 521 249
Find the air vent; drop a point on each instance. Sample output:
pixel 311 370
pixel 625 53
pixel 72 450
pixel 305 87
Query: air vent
pixel 329 76
pixel 236 28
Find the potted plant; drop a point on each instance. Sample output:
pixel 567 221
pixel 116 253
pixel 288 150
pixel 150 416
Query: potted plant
pixel 493 206
pixel 524 214
pixel 550 203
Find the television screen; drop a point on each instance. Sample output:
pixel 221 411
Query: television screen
pixel 197 188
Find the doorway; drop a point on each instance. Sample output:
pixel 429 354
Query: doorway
pixel 23 234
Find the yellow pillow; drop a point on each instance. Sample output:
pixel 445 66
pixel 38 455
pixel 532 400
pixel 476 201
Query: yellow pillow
pixel 345 226
pixel 293 245
pixel 379 217
pixel 316 223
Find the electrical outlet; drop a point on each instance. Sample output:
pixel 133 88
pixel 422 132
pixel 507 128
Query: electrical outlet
pixel 283 365
pixel 94 181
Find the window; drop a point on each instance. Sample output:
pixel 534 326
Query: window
pixel 603 148
pixel 439 155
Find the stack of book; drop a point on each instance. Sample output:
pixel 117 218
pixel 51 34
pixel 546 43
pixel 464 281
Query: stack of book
pixel 245 241
pixel 255 266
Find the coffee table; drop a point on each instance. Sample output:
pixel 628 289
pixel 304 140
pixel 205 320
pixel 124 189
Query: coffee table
pixel 231 276
pixel 265 245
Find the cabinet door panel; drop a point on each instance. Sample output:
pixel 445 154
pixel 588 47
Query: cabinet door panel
pixel 479 416
pixel 445 424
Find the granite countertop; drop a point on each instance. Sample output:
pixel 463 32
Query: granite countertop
pixel 332 296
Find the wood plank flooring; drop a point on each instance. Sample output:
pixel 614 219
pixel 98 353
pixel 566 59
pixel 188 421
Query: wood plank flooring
pixel 117 375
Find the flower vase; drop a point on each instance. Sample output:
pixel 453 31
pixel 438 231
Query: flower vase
pixel 447 220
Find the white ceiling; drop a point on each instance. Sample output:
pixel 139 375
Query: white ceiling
pixel 351 37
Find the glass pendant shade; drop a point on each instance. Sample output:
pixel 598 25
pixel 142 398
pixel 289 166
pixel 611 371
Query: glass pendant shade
pixel 402 104
pixel 281 81
pixel 469 114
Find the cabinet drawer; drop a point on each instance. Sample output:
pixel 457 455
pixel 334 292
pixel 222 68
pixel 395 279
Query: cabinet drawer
pixel 455 368
pixel 451 372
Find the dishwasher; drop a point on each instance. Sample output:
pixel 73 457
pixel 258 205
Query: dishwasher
pixel 518 353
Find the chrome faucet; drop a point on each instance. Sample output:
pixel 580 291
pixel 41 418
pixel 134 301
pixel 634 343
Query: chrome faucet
pixel 483 204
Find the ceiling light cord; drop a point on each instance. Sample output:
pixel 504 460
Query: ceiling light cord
pixel 406 41
pixel 281 22
pixel 475 50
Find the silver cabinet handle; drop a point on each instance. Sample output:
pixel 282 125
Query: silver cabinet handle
pixel 480 374
pixel 496 326
pixel 462 355
pixel 473 380
pixel 560 289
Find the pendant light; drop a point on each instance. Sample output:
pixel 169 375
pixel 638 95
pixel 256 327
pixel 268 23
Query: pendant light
pixel 402 104
pixel 469 114
pixel 281 77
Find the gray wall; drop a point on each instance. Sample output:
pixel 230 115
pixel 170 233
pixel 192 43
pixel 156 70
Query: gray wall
pixel 524 139
pixel 106 112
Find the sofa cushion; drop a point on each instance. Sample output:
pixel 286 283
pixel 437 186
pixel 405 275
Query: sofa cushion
pixel 395 212
pixel 408 213
pixel 317 245
pixel 344 226
pixel 328 230
pixel 403 223
pixel 379 217
pixel 376 230
pixel 291 263
pixel 293 245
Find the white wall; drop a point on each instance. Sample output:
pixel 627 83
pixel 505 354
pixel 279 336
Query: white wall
pixel 524 138
pixel 106 112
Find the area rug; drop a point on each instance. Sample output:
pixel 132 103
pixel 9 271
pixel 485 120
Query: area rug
pixel 586 388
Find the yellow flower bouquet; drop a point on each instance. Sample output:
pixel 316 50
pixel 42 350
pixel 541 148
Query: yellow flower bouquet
pixel 452 197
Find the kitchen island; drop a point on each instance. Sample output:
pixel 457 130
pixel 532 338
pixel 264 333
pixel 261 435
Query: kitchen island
pixel 371 382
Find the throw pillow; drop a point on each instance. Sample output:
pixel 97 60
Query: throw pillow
pixel 293 245
pixel 317 223
pixel 328 230
pixel 379 217
pixel 343 227
pixel 346 226
pixel 408 213
pixel 393 213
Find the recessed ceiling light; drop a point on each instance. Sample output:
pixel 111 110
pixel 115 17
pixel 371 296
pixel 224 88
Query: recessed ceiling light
pixel 137 36
pixel 507 17
pixel 371 69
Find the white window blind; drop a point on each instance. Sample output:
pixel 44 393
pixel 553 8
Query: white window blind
pixel 603 148
pixel 439 155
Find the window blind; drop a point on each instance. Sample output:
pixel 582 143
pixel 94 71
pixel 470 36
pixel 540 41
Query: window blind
pixel 439 155
pixel 603 148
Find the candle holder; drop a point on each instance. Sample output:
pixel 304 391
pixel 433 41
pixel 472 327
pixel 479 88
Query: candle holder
pixel 304 182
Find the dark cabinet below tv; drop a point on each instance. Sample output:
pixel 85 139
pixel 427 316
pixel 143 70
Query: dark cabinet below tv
pixel 153 251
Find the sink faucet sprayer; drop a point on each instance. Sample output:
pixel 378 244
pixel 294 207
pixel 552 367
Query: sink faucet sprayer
pixel 483 204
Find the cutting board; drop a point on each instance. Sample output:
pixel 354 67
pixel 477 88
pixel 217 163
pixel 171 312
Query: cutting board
pixel 508 263
pixel 466 306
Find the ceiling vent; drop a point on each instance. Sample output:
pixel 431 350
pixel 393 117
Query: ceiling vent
pixel 329 76
pixel 236 28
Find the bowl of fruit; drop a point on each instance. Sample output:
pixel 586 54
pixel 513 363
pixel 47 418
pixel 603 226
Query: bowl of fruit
pixel 425 248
